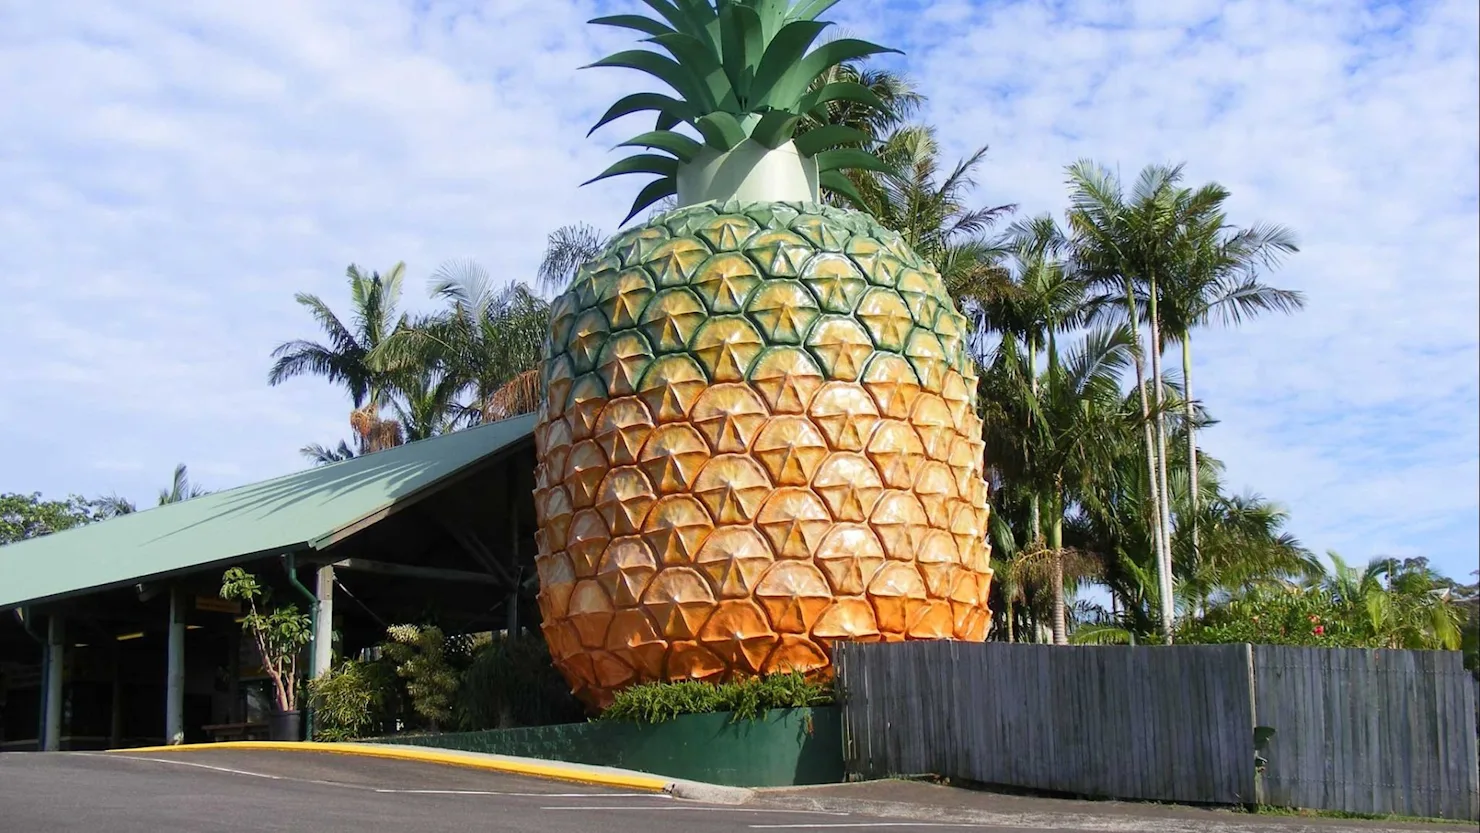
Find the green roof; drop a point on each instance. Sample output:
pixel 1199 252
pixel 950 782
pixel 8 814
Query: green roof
pixel 307 510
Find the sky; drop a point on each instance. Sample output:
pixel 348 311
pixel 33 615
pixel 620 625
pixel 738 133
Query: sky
pixel 171 173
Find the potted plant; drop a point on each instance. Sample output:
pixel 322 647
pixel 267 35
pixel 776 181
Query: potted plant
pixel 280 636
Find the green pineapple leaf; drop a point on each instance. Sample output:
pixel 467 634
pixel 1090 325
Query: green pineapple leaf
pixel 841 91
pixel 742 70
pixel 838 182
pixel 829 136
pixel 783 55
pixel 683 80
pixel 651 193
pixel 721 131
pixel 635 22
pixel 833 160
pixel 667 106
pixel 642 163
pixel 675 143
pixel 775 128
pixel 801 74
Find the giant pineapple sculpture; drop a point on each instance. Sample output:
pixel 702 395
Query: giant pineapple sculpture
pixel 759 433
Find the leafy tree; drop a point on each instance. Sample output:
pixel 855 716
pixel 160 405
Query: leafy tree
pixel 280 634
pixel 419 653
pixel 1387 603
pixel 28 516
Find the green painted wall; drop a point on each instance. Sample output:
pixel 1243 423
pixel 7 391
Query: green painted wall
pixel 787 747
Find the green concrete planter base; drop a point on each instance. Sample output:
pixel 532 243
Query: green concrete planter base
pixel 784 748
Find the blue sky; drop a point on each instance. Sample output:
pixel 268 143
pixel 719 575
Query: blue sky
pixel 173 172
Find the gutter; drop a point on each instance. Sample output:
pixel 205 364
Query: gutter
pixel 313 603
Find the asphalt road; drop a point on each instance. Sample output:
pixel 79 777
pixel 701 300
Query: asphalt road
pixel 255 792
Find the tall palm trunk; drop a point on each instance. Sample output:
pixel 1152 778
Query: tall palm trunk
pixel 1056 550
pixel 1035 524
pixel 1163 564
pixel 1167 608
pixel 1194 486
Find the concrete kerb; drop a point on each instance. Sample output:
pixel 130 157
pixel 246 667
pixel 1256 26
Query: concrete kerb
pixel 508 764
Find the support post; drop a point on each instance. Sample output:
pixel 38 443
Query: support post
pixel 323 638
pixel 115 722
pixel 55 661
pixel 174 714
pixel 234 713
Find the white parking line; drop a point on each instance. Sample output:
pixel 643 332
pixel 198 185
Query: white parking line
pixel 190 764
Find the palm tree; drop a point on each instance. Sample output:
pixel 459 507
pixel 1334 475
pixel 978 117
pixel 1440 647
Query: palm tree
pixel 345 358
pixel 930 211
pixel 425 404
pixel 1218 282
pixel 181 489
pixel 566 250
pixel 322 456
pixel 1056 443
pixel 1044 296
pixel 1401 604
pixel 1130 244
pixel 1245 545
pixel 486 343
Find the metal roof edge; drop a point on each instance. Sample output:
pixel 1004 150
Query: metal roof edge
pixel 168 574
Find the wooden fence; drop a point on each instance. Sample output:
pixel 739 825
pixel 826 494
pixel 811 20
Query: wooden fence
pixel 1368 731
pixel 1354 730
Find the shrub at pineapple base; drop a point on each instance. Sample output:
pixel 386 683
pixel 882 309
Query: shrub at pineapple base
pixel 760 437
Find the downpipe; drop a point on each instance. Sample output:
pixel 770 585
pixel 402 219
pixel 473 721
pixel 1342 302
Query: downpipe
pixel 306 707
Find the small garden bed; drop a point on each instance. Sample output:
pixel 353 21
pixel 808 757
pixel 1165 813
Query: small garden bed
pixel 777 731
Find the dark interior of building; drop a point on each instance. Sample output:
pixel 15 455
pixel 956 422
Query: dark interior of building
pixel 460 556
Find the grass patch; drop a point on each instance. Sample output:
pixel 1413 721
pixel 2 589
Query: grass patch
pixel 1297 812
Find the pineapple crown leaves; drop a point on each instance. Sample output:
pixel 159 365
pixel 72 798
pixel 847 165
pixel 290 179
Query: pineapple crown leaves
pixel 742 70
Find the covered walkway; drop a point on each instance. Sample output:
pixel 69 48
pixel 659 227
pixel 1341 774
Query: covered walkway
pixel 113 634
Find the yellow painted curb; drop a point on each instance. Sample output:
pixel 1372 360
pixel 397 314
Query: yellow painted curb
pixel 649 783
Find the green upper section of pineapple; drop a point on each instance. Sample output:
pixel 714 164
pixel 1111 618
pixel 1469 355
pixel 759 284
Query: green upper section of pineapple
pixel 712 293
pixel 742 70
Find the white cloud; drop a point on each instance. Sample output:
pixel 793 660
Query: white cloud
pixel 174 172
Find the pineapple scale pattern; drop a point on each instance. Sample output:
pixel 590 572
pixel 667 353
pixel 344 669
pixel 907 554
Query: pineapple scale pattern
pixel 759 436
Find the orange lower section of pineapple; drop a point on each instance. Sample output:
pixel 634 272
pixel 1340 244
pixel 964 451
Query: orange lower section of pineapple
pixel 702 531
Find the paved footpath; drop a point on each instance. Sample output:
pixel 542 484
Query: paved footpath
pixel 925 802
pixel 255 791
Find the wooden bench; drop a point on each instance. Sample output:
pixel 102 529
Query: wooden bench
pixel 236 731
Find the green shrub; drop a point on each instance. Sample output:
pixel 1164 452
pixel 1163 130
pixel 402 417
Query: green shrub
pixel 1278 618
pixel 421 657
pixel 353 700
pixel 745 700
pixel 510 682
